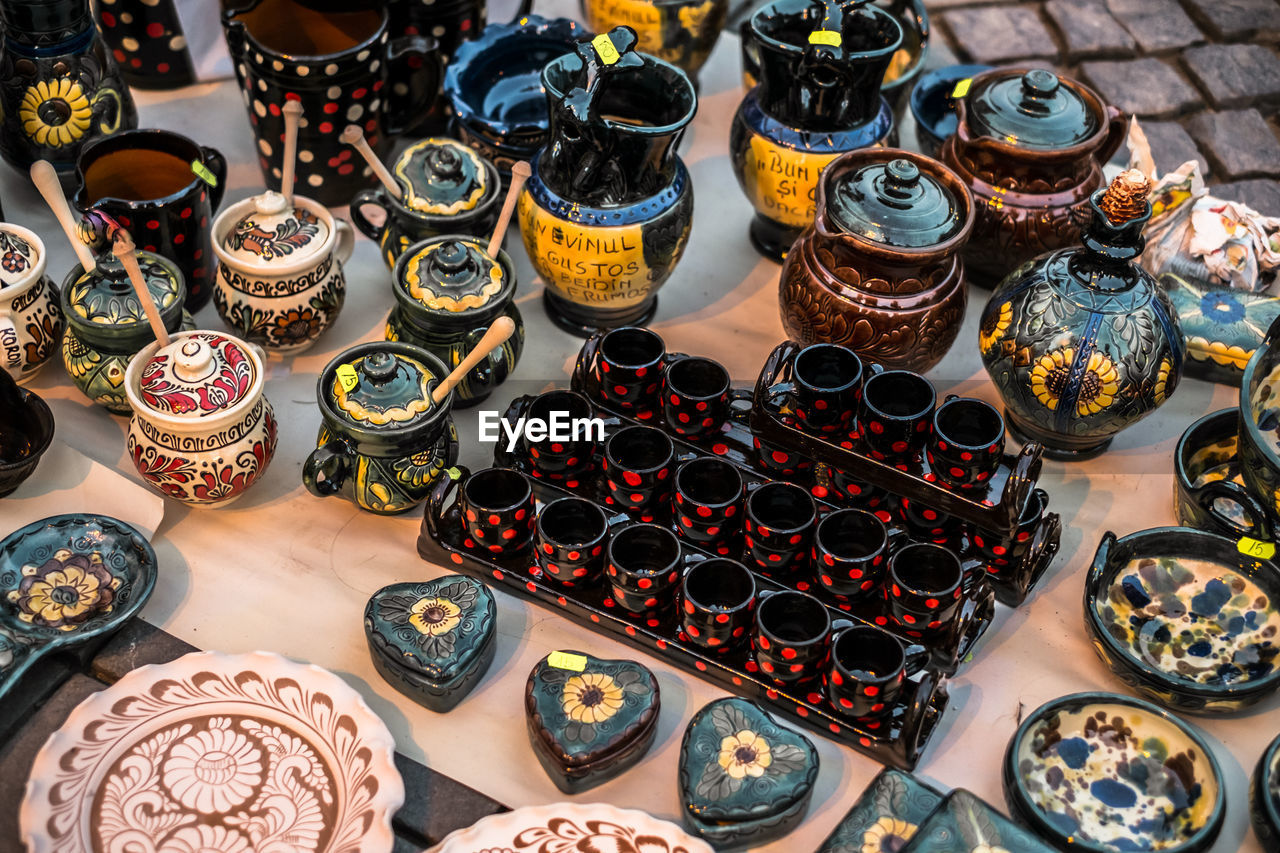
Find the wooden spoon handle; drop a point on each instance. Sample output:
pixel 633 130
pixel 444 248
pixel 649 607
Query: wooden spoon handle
pixel 292 113
pixel 497 334
pixel 519 174
pixel 355 138
pixel 46 181
pixel 124 251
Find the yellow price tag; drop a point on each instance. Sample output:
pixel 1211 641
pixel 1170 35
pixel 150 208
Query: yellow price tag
pixel 962 88
pixel 831 38
pixel 567 660
pixel 1256 548
pixel 605 50
pixel 202 172
pixel 347 377
pixel 453 473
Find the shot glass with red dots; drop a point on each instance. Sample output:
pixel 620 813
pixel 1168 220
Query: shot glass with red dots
pixel 707 503
pixel 927 524
pixel 717 599
pixel 638 461
pixel 780 519
pixel 791 636
pixel 868 668
pixel 896 414
pixel 828 383
pixel 999 553
pixel 966 444
pixel 629 368
pixel 778 462
pixel 497 510
pixel 643 567
pixel 695 396
pixel 571 538
pixel 924 588
pixel 850 552
pixel 556 458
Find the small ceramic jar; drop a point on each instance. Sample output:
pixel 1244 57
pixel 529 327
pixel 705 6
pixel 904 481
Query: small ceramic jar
pixel 106 325
pixel 448 290
pixel 30 319
pixel 279 281
pixel 879 271
pixel 383 442
pixel 445 188
pixel 202 431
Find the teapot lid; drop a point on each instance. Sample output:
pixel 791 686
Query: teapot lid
pixel 442 177
pixel 1032 109
pixel 104 298
pixel 896 204
pixel 198 375
pixel 453 274
pixel 18 255
pixel 381 386
pixel 274 232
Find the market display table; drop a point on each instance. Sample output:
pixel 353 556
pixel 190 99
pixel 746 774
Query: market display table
pixel 286 572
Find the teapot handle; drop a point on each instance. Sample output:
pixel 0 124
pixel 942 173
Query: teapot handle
pixel 327 468
pixel 1117 132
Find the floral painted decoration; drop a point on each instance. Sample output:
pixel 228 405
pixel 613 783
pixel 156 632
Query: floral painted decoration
pixel 55 113
pixel 430 621
pixel 17 257
pixel 965 824
pixel 290 234
pixel 745 754
pixel 65 591
pixel 586 709
pixel 885 817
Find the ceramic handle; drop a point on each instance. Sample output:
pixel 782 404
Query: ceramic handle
pixel 346 241
pixel 362 222
pixel 423 81
pixel 217 164
pixel 1100 560
pixel 327 468
pixel 1257 526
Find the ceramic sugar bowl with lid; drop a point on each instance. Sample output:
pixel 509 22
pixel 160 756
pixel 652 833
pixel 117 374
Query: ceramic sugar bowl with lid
pixel 445 188
pixel 879 271
pixel 383 440
pixel 280 283
pixel 106 324
pixel 202 430
pixel 448 290
pixel 30 317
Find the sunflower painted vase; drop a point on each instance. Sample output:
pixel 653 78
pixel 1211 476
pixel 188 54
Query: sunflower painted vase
pixel 383 442
pixel 1082 342
pixel 60 87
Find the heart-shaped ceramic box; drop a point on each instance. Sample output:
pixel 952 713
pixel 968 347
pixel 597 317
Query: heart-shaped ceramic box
pixel 30 319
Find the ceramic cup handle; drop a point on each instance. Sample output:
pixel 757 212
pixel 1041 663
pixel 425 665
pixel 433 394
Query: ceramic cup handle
pixel 327 468
pixel 1255 524
pixel 362 222
pixel 217 164
pixel 346 240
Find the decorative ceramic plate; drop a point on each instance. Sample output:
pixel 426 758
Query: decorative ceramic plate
pixel 233 753
pixel 571 827
pixel 1101 772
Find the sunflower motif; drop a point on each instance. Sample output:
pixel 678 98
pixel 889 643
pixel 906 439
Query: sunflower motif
pixel 55 113
pixel 994 325
pixel 434 616
pixel 65 591
pixel 296 325
pixel 419 469
pixel 1162 380
pixel 213 770
pixel 592 697
pixel 887 835
pixel 1098 385
pixel 1049 376
pixel 745 754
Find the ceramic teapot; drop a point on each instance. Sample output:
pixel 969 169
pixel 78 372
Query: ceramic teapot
pixel 383 442
pixel 879 270
pixel 30 317
pixel 606 213
pixel 1030 146
pixel 279 282
pixel 202 431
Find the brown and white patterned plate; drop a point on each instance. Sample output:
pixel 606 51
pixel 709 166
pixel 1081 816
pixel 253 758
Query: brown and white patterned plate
pixel 212 752
pixel 571 828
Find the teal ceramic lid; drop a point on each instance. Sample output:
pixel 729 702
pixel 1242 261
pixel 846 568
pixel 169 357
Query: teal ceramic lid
pixel 437 629
pixel 382 388
pixel 1034 109
pixel 442 177
pixel 896 204
pixel 18 256
pixel 104 299
pixel 454 275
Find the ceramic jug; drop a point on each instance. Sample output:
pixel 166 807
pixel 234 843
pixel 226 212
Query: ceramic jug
pixel 202 431
pixel 59 85
pixel 30 317
pixel 280 282
pixel 606 214
pixel 879 270
pixel 148 35
pixel 681 32
pixel 818 96
pixel 1030 146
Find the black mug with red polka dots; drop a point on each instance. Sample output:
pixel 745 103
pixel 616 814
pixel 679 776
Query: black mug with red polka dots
pixel 850 552
pixel 967 442
pixel 559 459
pixel 571 536
pixel 707 503
pixel 497 510
pixel 999 553
pixel 868 668
pixel 828 384
pixel 638 461
pixel 629 368
pixel 779 526
pixel 644 566
pixel 924 588
pixel 791 637
pixel 695 396
pixel 717 600
pixel 896 414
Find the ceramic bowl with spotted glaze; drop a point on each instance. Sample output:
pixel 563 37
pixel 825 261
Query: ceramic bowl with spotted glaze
pixel 1264 797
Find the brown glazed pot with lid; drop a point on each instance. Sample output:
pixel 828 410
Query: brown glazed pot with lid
pixel 879 271
pixel 1030 146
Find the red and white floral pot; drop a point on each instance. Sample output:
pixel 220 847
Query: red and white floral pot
pixel 202 431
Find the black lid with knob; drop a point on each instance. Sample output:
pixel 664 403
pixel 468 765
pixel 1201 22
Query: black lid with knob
pixel 453 278
pixel 443 177
pixel 896 204
pixel 380 392
pixel 1030 109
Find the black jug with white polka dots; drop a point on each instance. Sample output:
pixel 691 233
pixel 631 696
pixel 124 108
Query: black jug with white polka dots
pixel 146 38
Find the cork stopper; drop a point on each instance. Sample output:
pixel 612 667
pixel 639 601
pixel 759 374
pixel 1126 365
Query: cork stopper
pixel 1126 197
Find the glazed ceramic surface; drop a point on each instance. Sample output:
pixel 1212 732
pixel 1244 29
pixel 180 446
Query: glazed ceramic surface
pixel 879 270
pixel 606 214
pixel 211 751
pixel 1209 491
pixel 1112 773
pixel 886 815
pixel 202 431
pixel 280 282
pixel 1264 796
pixel 681 32
pixel 934 108
pixel 569 826
pixel 1186 617
pixel 383 442
pixel 1223 327
pixel 61 86
pixel 1258 452
pixel 64 581
pixel 743 778
pixel 26 431
pixel 146 38
pixel 30 317
pixel 965 824
pixel 433 640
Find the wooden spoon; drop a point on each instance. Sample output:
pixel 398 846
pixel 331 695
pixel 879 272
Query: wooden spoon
pixel 519 174
pixel 497 334
pixel 46 181
pixel 292 113
pixel 353 136
pixel 123 249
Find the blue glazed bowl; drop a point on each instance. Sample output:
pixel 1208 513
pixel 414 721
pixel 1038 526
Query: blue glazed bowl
pixel 1264 797
pixel 1182 616
pixel 932 106
pixel 1101 772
